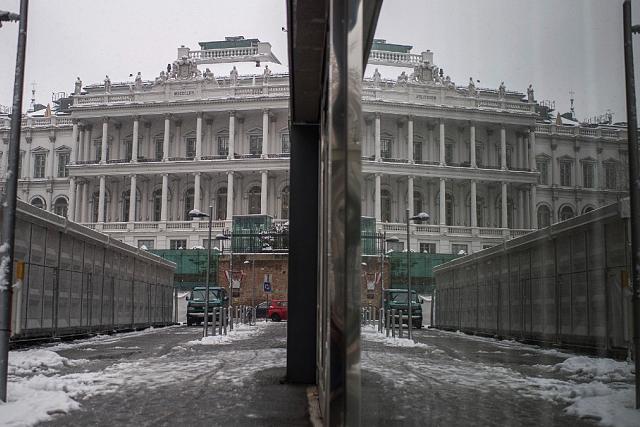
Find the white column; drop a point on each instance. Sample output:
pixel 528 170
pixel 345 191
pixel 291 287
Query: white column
pixel 504 221
pixel 410 196
pixel 532 151
pixel 443 201
pixel 71 209
pixel 134 141
pixel 474 204
pixel 472 144
pixel 165 196
pixel 263 193
pixel 532 206
pixel 376 201
pixel 52 161
pixel 376 136
pixel 85 202
pixel 431 156
pixel 105 140
pixel 410 143
pixel 232 137
pixel 210 140
pixel 132 199
pixel 74 142
pixel 198 136
pixel 101 198
pixel 178 142
pixel 520 208
pixel 87 142
pixel 265 133
pixel 442 144
pixel 79 202
pixel 503 147
pixel 519 151
pixel 229 195
pixel 196 191
pixel 165 141
pixel 79 154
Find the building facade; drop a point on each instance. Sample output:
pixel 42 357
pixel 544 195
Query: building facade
pixel 132 159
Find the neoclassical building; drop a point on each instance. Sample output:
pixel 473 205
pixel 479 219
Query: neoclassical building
pixel 132 159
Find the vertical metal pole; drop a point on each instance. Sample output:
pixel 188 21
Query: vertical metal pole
pixel 175 305
pixel 205 322
pixel 383 236
pixel 253 287
pixel 634 184
pixel 9 210
pixel 409 294
pixel 230 277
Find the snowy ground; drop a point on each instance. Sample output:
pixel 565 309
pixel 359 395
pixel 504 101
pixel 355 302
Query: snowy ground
pixel 170 376
pixel 108 380
pixel 500 382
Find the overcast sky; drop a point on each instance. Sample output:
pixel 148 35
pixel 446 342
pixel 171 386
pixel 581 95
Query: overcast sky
pixel 557 45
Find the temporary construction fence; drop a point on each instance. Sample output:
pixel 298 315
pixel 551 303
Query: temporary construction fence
pixel 566 284
pixel 257 234
pixel 71 280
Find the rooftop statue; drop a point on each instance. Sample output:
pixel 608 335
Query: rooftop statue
pixel 233 76
pixel 472 87
pixel 161 78
pixel 377 78
pixel 266 75
pixel 184 68
pixel 403 79
pixel 424 72
pixel 209 77
pixel 138 81
pixel 78 87
pixel 502 90
pixel 448 83
pixel 107 84
pixel 530 93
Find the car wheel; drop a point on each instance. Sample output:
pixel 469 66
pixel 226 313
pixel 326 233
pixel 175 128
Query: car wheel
pixel 275 317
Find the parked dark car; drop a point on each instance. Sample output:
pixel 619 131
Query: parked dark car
pixel 261 310
pixel 196 302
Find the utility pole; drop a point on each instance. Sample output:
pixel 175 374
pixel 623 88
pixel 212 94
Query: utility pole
pixel 634 182
pixel 11 188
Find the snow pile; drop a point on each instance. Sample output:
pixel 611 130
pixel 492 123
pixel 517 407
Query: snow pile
pixel 591 368
pixel 239 332
pixel 370 333
pixel 37 361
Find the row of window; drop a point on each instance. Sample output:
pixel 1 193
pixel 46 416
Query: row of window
pixel 40 164
pixel 588 173
pixel 222 141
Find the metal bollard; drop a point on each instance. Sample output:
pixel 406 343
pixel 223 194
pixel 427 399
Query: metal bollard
pixel 387 314
pixel 214 322
pixel 230 318
pixel 400 324
pixel 221 320
pixel 225 314
pixel 393 323
pixel 380 315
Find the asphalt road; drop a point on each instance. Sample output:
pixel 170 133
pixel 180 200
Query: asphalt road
pixel 159 378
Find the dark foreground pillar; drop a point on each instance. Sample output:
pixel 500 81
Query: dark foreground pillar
pixel 303 254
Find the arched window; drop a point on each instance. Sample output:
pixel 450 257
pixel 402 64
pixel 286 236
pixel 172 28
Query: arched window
pixel 95 203
pixel 157 205
pixel 38 203
pixel 417 203
pixel 566 212
pixel 284 208
pixel 221 204
pixel 385 206
pixel 188 203
pixel 126 203
pixel 544 216
pixel 449 208
pixel 587 209
pixel 60 207
pixel 254 200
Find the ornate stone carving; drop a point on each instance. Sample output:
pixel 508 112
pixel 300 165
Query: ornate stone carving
pixel 502 90
pixel 377 78
pixel 403 79
pixel 107 84
pixel 233 76
pixel 530 93
pixel 472 87
pixel 138 81
pixel 266 75
pixel 184 68
pixel 78 87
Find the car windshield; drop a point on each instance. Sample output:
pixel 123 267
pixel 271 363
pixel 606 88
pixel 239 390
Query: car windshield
pixel 199 294
pixel 401 297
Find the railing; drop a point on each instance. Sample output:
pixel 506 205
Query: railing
pixel 114 226
pixel 385 57
pixel 87 162
pixel 491 231
pixel 459 230
pixel 111 161
pixel 182 225
pixel 216 157
pixel 278 155
pixel 583 131
pixel 223 53
pixel 428 228
pixel 387 226
pixel 609 133
pixel 247 156
pixel 204 225
pixel 145 225
pixel 181 159
pixel 518 233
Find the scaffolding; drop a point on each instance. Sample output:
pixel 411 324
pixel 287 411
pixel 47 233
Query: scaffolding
pixel 191 266
pixel 422 265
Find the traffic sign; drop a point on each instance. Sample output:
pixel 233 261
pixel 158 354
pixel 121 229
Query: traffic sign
pixel 267 286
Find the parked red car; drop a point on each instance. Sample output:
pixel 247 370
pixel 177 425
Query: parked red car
pixel 278 310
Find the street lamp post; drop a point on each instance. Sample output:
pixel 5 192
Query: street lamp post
pixel 195 213
pixel 385 240
pixel 253 284
pixel 422 216
pixel 221 238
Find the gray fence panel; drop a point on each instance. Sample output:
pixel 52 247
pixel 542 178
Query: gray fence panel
pixel 35 281
pixel 75 308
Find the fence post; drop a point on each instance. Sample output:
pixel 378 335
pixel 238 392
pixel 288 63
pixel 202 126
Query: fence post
pixel 225 314
pixel 400 323
pixel 214 322
pixel 387 315
pixel 393 323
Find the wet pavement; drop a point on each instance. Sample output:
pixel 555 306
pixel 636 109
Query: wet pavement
pixel 163 378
